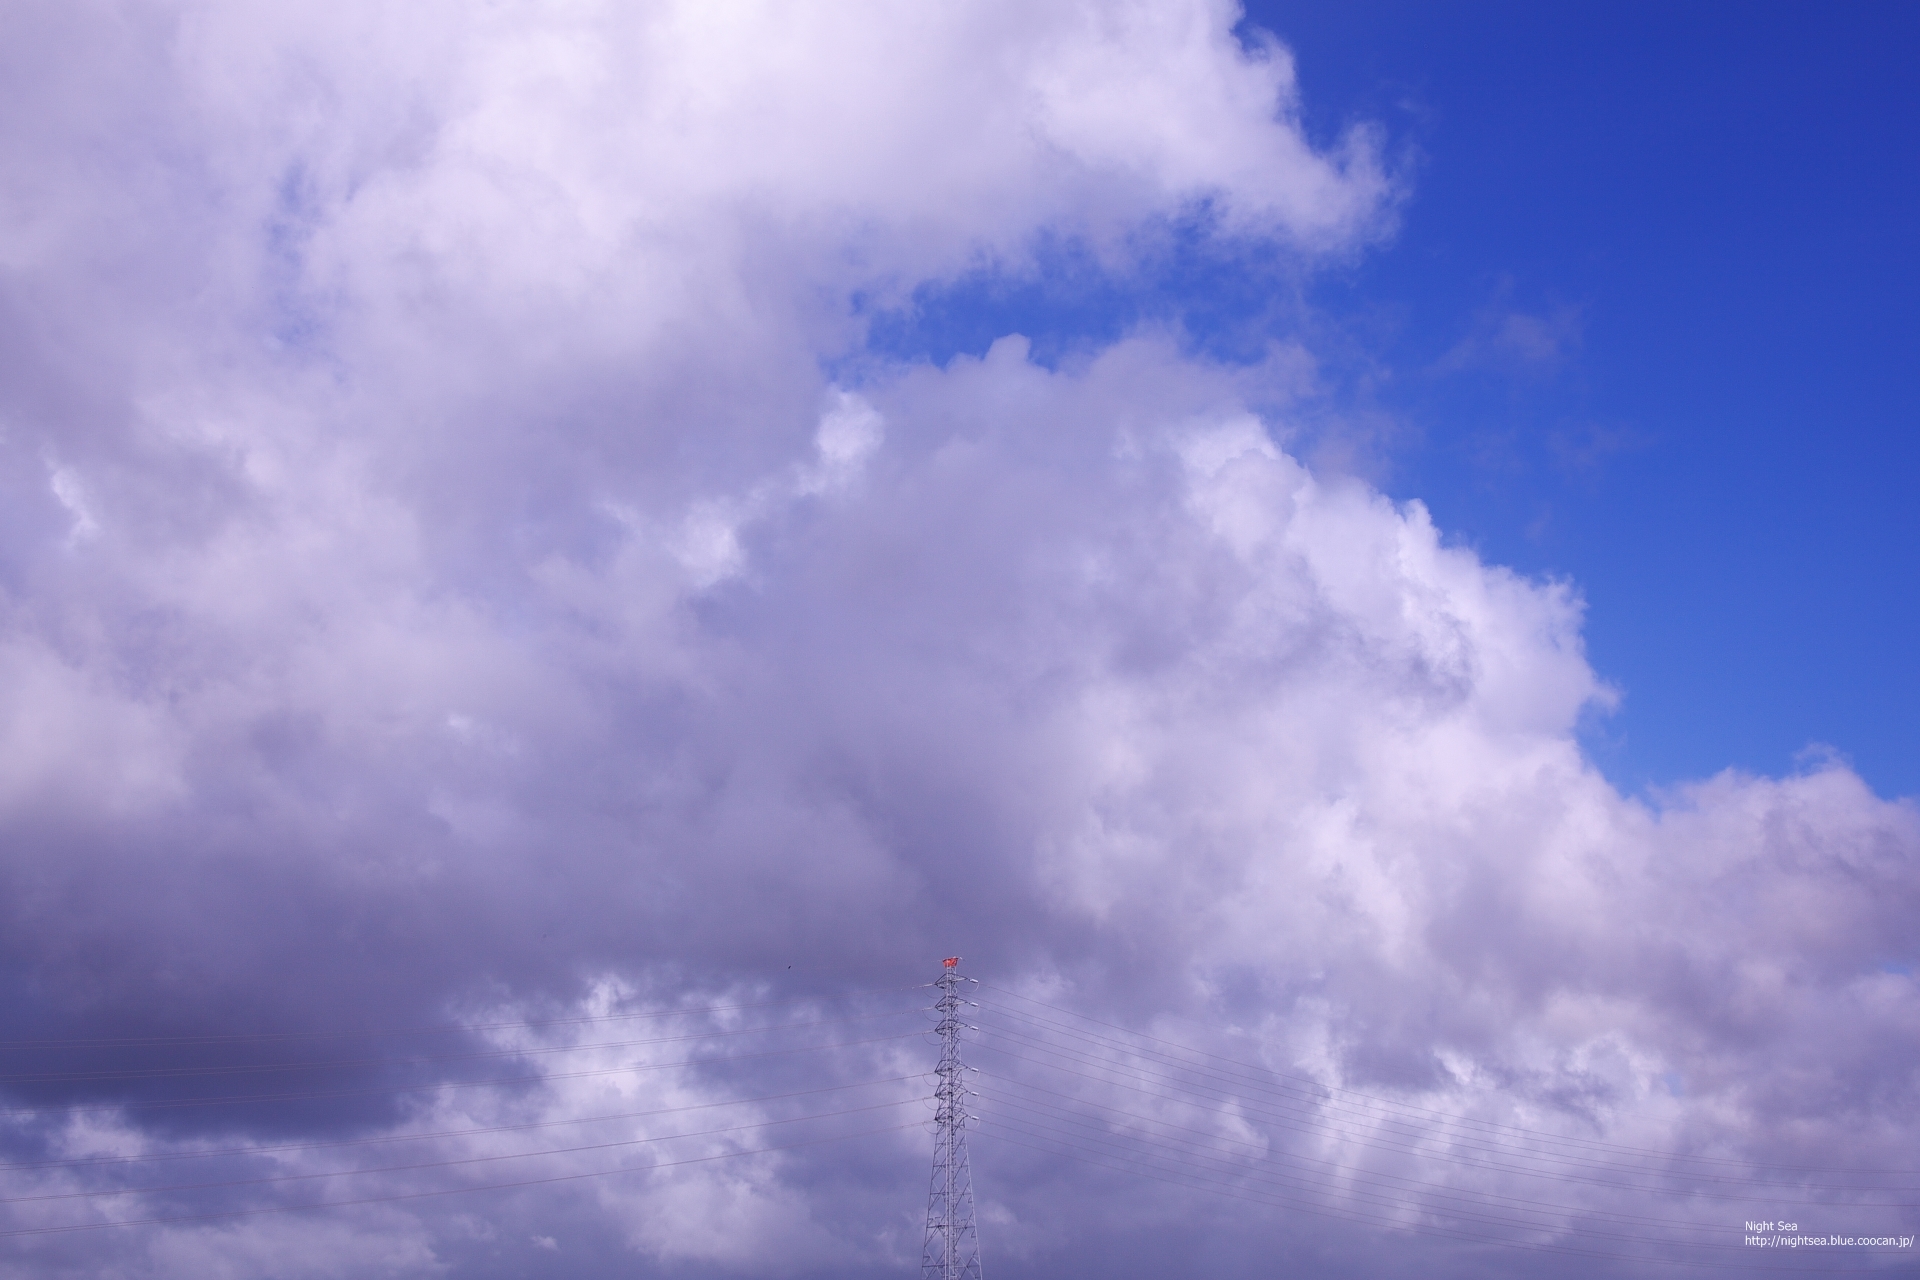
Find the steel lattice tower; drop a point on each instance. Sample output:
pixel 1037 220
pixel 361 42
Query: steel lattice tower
pixel 953 1241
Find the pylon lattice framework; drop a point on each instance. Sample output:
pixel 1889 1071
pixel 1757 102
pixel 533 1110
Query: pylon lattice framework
pixel 953 1241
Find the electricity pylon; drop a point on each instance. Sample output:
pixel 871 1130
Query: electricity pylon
pixel 953 1241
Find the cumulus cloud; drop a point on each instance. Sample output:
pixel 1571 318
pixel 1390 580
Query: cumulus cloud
pixel 441 586
pixel 1510 340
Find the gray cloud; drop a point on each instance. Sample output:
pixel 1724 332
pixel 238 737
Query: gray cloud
pixel 441 590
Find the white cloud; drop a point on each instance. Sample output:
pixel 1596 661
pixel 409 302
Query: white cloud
pixel 496 593
pixel 72 494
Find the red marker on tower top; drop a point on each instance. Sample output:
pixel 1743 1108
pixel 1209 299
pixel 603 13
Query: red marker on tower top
pixel 952 962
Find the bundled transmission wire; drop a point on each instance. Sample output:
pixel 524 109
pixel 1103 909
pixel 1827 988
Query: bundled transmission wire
pixel 1058 1083
pixel 525 1132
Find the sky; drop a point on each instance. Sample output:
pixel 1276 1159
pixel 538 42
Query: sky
pixel 555 558
pixel 1643 323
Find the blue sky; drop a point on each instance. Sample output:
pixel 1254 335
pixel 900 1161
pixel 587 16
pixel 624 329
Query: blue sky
pixel 1699 219
pixel 1722 199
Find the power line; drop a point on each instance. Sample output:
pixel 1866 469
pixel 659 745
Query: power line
pixel 455 1028
pixel 327 1095
pixel 1320 1210
pixel 1315 1087
pixel 444 1191
pixel 278 1179
pixel 1472 1159
pixel 1279 1113
pixel 1274 1175
pixel 1332 1168
pixel 1186 1156
pixel 84 1163
pixel 1085 1123
pixel 159 1073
